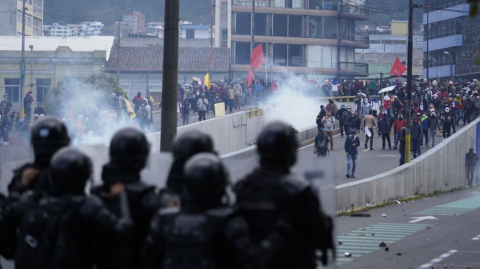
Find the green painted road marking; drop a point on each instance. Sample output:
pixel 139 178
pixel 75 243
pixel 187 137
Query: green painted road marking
pixel 359 245
pixel 454 208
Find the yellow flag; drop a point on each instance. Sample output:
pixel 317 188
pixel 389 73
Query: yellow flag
pixel 207 80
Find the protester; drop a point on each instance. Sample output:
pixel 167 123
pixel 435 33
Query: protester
pixel 351 144
pixel 339 116
pixel 331 107
pixel 416 137
pixel 238 96
pixel 401 148
pixel 446 121
pixel 433 127
pixel 320 146
pixel 425 128
pixel 185 112
pixel 384 128
pixel 329 121
pixel 369 122
pixel 137 101
pixel 347 115
pixel 354 123
pixel 471 160
pixel 202 107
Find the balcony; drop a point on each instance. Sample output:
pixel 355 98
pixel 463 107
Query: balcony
pixel 357 69
pixel 248 3
pixel 357 41
pixel 359 12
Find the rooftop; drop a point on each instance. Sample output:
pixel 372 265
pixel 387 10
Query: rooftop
pixel 194 27
pixel 150 59
pixel 47 43
pixel 400 21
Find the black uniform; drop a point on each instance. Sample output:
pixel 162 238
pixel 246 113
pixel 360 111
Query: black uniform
pixel 339 116
pixel 471 160
pixel 205 233
pixel 48 136
pixel 271 193
pixel 58 231
pixel 128 154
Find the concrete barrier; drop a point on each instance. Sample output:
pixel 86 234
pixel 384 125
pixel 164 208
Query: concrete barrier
pixel 441 168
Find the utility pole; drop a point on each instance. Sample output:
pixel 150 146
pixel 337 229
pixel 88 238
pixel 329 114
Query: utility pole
pixel 211 36
pixel 118 50
pixel 170 76
pixel 22 64
pixel 253 26
pixel 31 67
pixel 428 41
pixel 409 81
pixel 147 90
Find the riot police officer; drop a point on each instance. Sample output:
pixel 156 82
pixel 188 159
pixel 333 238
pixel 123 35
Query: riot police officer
pixel 58 231
pixel 129 151
pixel 47 137
pixel 185 147
pixel 205 232
pixel 270 192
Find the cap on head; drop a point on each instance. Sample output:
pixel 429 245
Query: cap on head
pixel 205 177
pixel 129 147
pixel 70 169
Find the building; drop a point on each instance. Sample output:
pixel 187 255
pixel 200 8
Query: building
pixel 451 43
pixel 57 30
pixel 155 28
pixel 53 59
pixel 135 23
pixel 136 64
pixel 399 27
pixel 312 38
pixel 11 17
pixel 191 31
pixel 91 28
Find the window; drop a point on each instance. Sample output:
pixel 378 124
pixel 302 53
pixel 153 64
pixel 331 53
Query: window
pixel 19 17
pixel 260 24
pixel 322 56
pixel 224 38
pixel 315 27
pixel 190 33
pixel 330 4
pixel 347 30
pixel 330 28
pixel 12 88
pixel 43 86
pixel 242 53
pixel 315 4
pixel 37 27
pixel 28 20
pixel 243 23
pixel 295 55
pixel 295 28
pixel 280 25
pixel 280 54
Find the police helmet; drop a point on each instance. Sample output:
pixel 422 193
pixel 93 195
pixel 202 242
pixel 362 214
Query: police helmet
pixel 205 176
pixel 190 144
pixel 129 146
pixel 277 144
pixel 70 170
pixel 49 135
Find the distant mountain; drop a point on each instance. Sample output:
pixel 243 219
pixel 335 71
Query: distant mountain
pixel 108 11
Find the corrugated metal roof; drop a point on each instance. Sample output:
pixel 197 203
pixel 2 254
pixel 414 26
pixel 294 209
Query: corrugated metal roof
pixel 47 43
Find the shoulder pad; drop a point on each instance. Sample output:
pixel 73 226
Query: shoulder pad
pixel 138 187
pixel 222 212
pixel 294 184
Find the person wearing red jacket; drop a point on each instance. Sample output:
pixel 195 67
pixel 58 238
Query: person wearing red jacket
pixel 397 129
pixel 416 109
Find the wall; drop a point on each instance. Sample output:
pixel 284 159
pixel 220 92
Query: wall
pixel 441 168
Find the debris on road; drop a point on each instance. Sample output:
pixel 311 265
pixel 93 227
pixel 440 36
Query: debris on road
pixel 348 254
pixel 384 215
pixel 399 254
pixel 340 242
pixel 362 215
pixel 382 245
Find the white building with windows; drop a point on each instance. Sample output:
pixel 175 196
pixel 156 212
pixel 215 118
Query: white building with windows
pixel 11 17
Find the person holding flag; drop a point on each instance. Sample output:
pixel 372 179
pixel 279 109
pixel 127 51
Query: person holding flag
pixel 256 60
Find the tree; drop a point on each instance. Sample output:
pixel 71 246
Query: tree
pixel 75 94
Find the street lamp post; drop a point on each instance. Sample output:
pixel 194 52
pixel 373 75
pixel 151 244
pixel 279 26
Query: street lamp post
pixel 428 41
pixel 451 63
pixel 31 67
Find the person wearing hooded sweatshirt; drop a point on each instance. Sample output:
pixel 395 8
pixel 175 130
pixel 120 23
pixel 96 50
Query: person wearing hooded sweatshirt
pixel 425 127
pixel 321 143
pixel 351 144
pixel 432 126
pixel 416 136
pixel 137 101
pixel 384 128
pixel 366 107
pixel 339 116
pixel 458 108
pixel 416 109
pixel 397 127
pixel 401 148
pixel 354 122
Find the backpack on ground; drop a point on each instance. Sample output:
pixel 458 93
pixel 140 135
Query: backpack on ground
pixel 321 145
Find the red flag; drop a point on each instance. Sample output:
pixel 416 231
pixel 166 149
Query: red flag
pixel 250 76
pixel 398 69
pixel 257 58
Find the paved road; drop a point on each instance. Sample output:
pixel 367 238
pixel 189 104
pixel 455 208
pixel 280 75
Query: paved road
pixel 451 240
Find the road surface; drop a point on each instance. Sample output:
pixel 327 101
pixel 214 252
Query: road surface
pixel 437 232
